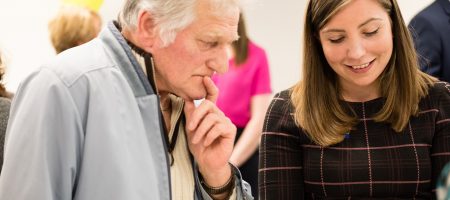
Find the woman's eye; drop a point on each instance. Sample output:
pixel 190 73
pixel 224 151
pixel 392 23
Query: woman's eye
pixel 371 33
pixel 337 40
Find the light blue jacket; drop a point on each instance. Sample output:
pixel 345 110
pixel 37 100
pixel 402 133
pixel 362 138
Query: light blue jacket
pixel 87 126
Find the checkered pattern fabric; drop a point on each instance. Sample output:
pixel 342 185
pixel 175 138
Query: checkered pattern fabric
pixel 372 162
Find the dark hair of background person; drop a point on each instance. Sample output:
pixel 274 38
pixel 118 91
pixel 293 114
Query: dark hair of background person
pixel 240 46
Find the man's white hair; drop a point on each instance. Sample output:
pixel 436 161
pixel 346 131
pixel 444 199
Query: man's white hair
pixel 170 16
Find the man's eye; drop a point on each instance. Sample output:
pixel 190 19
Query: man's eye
pixel 212 44
pixel 208 45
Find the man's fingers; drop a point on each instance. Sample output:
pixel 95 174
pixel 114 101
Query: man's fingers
pixel 213 134
pixel 211 90
pixel 205 126
pixel 200 112
pixel 189 109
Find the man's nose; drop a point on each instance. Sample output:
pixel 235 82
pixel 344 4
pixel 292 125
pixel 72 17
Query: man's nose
pixel 219 60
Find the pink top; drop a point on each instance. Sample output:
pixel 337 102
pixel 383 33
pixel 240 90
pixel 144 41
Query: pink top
pixel 239 84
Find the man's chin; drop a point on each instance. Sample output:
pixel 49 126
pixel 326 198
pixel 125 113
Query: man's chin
pixel 199 97
pixel 193 96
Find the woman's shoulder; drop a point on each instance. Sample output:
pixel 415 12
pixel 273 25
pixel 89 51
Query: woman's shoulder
pixel 284 96
pixel 281 105
pixel 438 95
pixel 280 115
pixel 439 89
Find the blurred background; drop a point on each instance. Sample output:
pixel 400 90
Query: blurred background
pixel 277 27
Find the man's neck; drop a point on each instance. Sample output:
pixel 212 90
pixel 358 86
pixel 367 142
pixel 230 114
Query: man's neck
pixel 166 103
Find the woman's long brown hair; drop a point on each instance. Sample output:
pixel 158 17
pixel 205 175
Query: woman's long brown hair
pixel 316 98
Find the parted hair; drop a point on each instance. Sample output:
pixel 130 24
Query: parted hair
pixel 316 98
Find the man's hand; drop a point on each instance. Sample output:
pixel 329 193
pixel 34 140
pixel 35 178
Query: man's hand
pixel 210 137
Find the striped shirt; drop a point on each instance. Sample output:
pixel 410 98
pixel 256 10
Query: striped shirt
pixel 372 162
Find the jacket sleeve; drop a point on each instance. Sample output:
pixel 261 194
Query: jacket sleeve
pixel 242 190
pixel 43 141
pixel 280 156
pixel 440 150
pixel 428 45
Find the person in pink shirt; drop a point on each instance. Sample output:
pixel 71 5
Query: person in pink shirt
pixel 244 95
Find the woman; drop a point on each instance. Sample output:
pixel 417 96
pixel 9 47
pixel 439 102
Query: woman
pixel 244 96
pixel 364 122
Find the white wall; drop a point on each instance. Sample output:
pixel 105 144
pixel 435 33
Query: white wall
pixel 24 39
pixel 273 25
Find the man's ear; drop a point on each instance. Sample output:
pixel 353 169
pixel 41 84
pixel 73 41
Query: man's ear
pixel 146 29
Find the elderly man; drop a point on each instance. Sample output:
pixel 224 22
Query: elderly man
pixel 115 118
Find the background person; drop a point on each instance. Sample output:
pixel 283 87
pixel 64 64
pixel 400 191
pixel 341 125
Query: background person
pixel 72 26
pixel 244 96
pixel 431 33
pixel 5 104
pixel 443 184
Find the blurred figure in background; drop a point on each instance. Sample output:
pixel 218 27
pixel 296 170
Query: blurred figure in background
pixel 244 94
pixel 443 184
pixel 5 103
pixel 431 33
pixel 72 26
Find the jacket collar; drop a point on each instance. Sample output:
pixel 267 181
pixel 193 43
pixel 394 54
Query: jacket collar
pixel 120 52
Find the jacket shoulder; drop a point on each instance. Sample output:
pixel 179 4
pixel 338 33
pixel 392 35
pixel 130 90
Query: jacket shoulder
pixel 73 63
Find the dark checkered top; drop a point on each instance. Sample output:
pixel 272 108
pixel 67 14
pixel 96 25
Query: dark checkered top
pixel 372 162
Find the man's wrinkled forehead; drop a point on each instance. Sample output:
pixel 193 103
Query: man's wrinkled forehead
pixel 223 27
pixel 219 7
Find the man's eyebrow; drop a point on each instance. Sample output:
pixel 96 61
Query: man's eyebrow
pixel 215 35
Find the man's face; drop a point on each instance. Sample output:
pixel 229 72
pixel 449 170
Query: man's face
pixel 198 51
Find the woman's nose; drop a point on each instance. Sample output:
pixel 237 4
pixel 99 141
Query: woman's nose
pixel 356 49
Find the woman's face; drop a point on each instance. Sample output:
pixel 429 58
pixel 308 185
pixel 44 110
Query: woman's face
pixel 357 43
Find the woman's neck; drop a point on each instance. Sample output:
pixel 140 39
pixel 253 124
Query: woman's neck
pixel 360 94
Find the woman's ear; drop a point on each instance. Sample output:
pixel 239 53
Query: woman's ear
pixel 146 31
